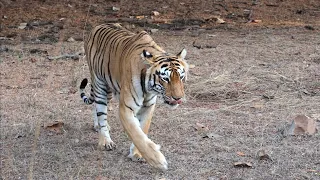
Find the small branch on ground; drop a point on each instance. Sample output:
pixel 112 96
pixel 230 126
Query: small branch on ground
pixel 75 56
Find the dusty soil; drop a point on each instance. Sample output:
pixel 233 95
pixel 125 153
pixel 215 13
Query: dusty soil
pixel 249 81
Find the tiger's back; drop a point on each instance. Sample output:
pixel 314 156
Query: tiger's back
pixel 111 51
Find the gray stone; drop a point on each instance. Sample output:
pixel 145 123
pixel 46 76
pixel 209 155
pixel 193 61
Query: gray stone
pixel 301 125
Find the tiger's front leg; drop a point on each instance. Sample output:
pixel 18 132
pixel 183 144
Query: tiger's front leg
pixel 148 149
pixel 144 116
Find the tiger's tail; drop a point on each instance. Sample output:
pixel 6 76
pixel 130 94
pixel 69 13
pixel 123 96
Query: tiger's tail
pixel 83 96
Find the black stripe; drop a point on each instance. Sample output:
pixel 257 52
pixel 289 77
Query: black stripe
pixel 134 99
pixel 110 78
pixel 149 105
pixel 109 74
pixel 118 86
pixel 101 113
pixel 142 80
pixel 149 99
pixel 82 95
pixel 128 107
pixel 154 79
pixel 101 102
pixel 96 33
pixel 103 38
pixel 164 65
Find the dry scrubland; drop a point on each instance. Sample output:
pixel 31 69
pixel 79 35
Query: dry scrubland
pixel 245 91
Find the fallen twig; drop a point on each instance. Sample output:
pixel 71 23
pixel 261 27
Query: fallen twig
pixel 136 20
pixel 75 56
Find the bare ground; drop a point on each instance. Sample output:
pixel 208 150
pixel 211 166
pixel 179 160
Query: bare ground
pixel 246 86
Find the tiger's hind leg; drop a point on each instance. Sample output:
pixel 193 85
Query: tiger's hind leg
pixel 102 97
pixel 96 126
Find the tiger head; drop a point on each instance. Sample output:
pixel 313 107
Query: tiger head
pixel 166 75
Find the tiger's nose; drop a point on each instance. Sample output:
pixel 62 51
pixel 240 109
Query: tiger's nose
pixel 176 98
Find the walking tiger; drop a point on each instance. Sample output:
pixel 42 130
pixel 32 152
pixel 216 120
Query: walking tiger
pixel 133 68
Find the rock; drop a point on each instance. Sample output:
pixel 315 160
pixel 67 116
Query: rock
pixel 22 25
pixel 48 38
pixel 71 39
pixel 155 13
pixel 3 49
pixel 262 155
pixel 301 125
pixel 242 164
pixel 309 27
pixel 211 136
pixel 115 8
pixel 78 38
pixel 154 30
pixel 38 51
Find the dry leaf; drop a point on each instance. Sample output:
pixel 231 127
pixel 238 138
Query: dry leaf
pixel 201 127
pixel 33 60
pixel 55 127
pixel 101 178
pixel 240 153
pixel 140 17
pixel 72 90
pixel 242 164
pixel 220 21
pixel 256 21
pixel 192 66
pixel 257 105
pixel 311 170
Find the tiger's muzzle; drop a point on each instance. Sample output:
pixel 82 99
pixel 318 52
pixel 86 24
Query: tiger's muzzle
pixel 172 101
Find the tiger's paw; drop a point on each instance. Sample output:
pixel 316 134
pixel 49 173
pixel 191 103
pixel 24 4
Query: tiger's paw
pixel 96 128
pixel 106 144
pixel 155 158
pixel 136 157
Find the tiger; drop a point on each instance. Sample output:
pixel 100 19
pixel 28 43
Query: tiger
pixel 134 69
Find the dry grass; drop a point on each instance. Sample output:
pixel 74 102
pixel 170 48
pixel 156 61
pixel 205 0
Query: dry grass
pixel 245 90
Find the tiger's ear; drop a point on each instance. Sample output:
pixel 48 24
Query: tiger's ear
pixel 182 54
pixel 147 57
